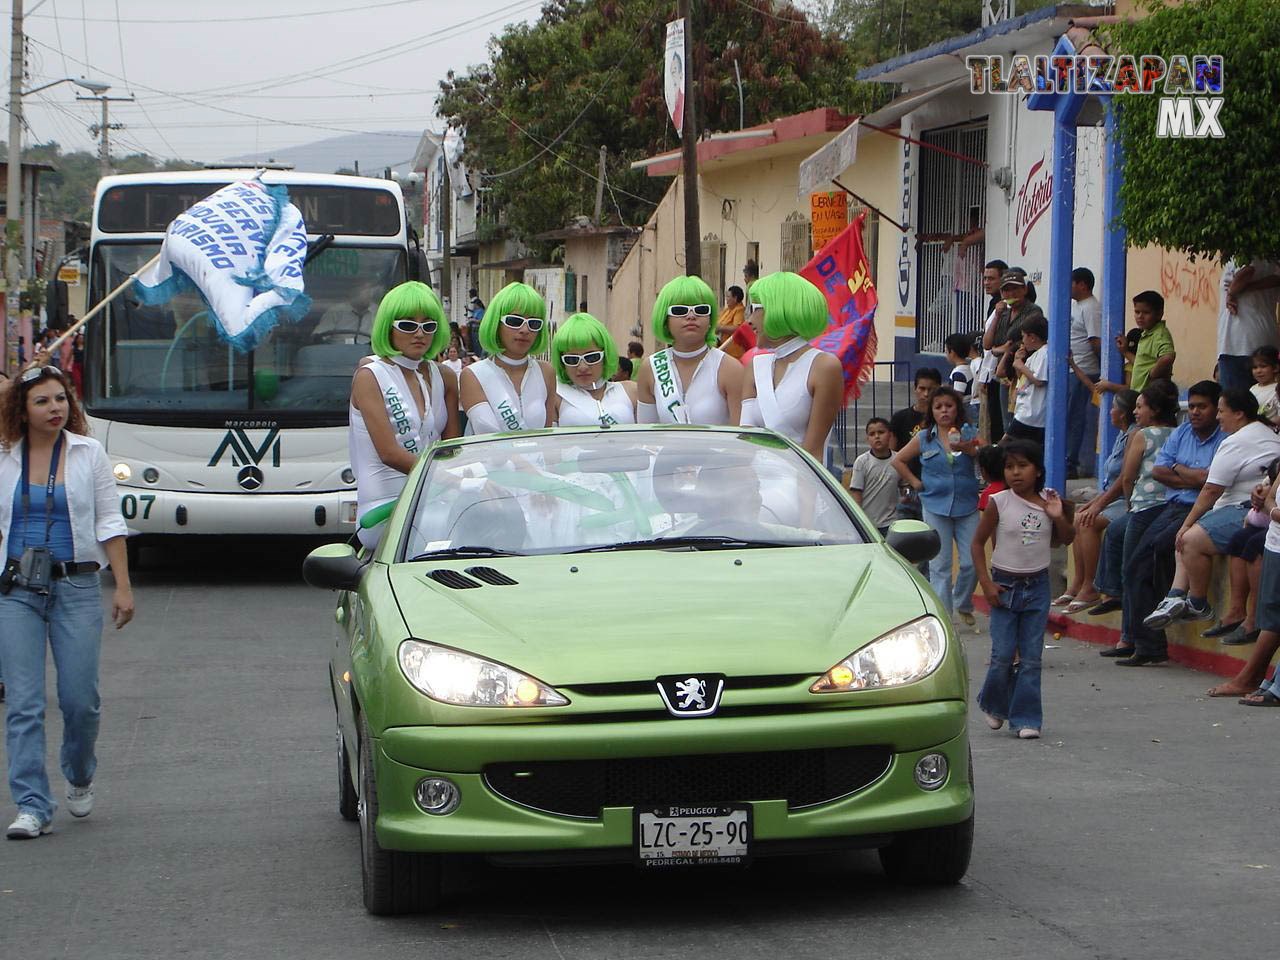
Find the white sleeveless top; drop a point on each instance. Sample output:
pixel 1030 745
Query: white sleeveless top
pixel 377 483
pixel 785 408
pixel 700 401
pixel 524 411
pixel 579 409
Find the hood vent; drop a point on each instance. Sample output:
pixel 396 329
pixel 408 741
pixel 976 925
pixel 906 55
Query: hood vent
pixel 453 579
pixel 491 576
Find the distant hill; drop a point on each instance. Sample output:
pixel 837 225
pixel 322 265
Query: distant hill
pixel 373 151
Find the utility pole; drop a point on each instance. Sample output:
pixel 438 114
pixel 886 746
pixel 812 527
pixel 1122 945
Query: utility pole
pixel 13 196
pixel 604 153
pixel 446 228
pixel 103 131
pixel 689 147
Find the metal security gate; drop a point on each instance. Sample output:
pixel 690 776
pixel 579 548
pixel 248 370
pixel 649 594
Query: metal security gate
pixel 953 201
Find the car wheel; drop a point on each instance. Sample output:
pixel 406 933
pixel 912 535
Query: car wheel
pixel 348 800
pixel 393 881
pixel 937 856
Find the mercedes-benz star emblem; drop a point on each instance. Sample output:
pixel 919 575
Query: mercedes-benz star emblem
pixel 250 477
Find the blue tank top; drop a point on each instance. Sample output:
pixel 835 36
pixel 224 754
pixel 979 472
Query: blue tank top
pixel 28 531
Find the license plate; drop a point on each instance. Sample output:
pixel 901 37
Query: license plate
pixel 693 836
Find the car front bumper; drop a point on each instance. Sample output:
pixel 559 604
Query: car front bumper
pixel 487 823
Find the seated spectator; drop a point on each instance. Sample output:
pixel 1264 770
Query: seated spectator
pixel 1092 520
pixel 1154 357
pixel 734 313
pixel 906 423
pixel 1266 370
pixel 1242 459
pixel 874 482
pixel 1031 362
pixel 1182 465
pixel 1244 568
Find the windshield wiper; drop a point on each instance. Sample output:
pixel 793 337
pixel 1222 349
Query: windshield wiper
pixel 464 552
pixel 694 542
pixel 319 246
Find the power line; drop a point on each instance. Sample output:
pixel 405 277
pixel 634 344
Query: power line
pixel 120 37
pixel 272 16
pixel 84 29
pixel 57 28
pixel 770 14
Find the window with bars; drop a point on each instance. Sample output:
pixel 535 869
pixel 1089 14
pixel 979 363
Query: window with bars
pixel 797 242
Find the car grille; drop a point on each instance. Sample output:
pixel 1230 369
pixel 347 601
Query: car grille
pixel 582 788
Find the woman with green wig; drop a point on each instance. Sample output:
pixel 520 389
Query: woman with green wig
pixel 511 390
pixel 691 381
pixel 586 358
pixel 396 414
pixel 795 389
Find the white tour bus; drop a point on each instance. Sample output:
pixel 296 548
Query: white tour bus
pixel 208 441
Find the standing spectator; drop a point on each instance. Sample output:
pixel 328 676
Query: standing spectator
pixel 1182 465
pixel 1266 371
pixel 1153 360
pixel 1023 520
pixel 1246 318
pixel 750 274
pixel 74 521
pixel 626 370
pixel 77 359
pixel 991 275
pixel 992 417
pixel 22 351
pixel 1086 351
pixel 1031 363
pixel 958 346
pixel 475 314
pixel 635 353
pixel 1004 336
pixel 906 423
pixel 948 488
pixel 874 482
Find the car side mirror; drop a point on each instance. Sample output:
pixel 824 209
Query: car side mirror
pixel 915 540
pixel 334 566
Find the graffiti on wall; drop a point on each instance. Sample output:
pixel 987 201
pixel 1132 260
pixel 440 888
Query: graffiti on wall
pixel 1194 285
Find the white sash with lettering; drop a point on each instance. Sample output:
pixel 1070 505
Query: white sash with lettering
pixel 766 393
pixel 585 404
pixel 667 392
pixel 500 392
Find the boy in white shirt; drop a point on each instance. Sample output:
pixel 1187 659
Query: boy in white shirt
pixel 1031 364
pixel 958 346
pixel 874 483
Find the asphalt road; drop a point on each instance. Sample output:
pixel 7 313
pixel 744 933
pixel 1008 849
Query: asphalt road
pixel 1144 824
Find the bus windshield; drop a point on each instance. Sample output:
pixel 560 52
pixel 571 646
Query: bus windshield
pixel 166 363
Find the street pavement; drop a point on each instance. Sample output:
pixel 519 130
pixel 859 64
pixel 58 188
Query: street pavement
pixel 1144 824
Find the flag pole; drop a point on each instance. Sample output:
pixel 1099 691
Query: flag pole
pixel 70 331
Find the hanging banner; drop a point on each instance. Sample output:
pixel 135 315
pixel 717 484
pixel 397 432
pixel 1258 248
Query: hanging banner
pixel 828 215
pixel 673 73
pixel 843 274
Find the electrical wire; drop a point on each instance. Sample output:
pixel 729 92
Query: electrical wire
pixel 272 16
pixel 770 14
pixel 120 37
pixel 57 29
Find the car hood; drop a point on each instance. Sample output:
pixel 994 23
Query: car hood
pixel 634 615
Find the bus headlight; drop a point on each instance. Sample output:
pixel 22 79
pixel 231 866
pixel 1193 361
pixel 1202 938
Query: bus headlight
pixel 122 472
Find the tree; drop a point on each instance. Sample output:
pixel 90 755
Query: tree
pixel 1215 198
pixel 589 73
pixel 878 30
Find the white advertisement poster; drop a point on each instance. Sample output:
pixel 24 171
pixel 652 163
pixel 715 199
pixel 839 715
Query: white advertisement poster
pixel 673 72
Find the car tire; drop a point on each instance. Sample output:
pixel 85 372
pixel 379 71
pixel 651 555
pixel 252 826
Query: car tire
pixel 935 857
pixel 348 799
pixel 393 881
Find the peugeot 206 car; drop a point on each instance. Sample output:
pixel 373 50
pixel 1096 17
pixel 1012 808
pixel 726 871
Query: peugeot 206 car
pixel 673 646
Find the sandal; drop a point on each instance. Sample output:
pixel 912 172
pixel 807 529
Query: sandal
pixel 1260 698
pixel 1063 600
pixel 1224 690
pixel 1077 606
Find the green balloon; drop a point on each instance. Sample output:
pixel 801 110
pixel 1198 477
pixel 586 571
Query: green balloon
pixel 266 384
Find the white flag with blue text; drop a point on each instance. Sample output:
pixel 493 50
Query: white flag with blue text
pixel 242 249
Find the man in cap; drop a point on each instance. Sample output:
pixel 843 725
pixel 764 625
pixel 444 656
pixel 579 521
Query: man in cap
pixel 1004 336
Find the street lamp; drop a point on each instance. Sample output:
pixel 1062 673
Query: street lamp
pixel 93 86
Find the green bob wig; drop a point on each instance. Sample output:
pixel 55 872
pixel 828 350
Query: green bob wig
pixel 519 299
pixel 689 292
pixel 410 299
pixel 793 307
pixel 582 333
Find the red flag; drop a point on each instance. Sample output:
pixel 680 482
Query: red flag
pixel 841 271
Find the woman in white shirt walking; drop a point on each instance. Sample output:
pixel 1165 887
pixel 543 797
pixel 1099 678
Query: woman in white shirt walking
pixel 60 523
pixel 586 358
pixel 511 389
pixel 692 381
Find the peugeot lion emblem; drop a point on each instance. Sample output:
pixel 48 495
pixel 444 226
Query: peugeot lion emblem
pixel 691 696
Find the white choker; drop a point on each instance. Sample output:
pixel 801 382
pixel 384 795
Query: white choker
pixel 400 360
pixel 510 361
pixel 596 385
pixel 690 354
pixel 794 345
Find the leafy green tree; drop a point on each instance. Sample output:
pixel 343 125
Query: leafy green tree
pixel 881 29
pixel 1216 198
pixel 589 73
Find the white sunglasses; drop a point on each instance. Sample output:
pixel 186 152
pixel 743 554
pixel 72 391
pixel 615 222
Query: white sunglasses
pixel 682 310
pixel 573 359
pixel 413 326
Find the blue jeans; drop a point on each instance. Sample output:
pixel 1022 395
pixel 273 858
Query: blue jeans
pixel 1082 425
pixel 960 531
pixel 1235 373
pixel 1106 578
pixel 1148 571
pixel 69 621
pixel 1013 692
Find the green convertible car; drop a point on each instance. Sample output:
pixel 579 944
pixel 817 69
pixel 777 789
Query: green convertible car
pixel 670 646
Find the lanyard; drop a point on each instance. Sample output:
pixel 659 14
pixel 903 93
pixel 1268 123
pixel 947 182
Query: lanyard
pixel 48 490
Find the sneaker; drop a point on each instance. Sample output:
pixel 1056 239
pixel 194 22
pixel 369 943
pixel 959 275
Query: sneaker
pixel 27 826
pixel 1192 612
pixel 1029 733
pixel 995 723
pixel 1167 610
pixel 967 617
pixel 80 800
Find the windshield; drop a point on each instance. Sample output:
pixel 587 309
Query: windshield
pixel 165 362
pixel 623 490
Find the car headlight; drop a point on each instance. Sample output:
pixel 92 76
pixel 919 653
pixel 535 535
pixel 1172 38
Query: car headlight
pixel 904 655
pixel 451 676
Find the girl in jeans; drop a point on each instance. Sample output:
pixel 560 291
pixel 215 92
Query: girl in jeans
pixel 1025 518
pixel 60 510
pixel 948 487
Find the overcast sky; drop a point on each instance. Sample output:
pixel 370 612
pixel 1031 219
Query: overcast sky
pixel 214 80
